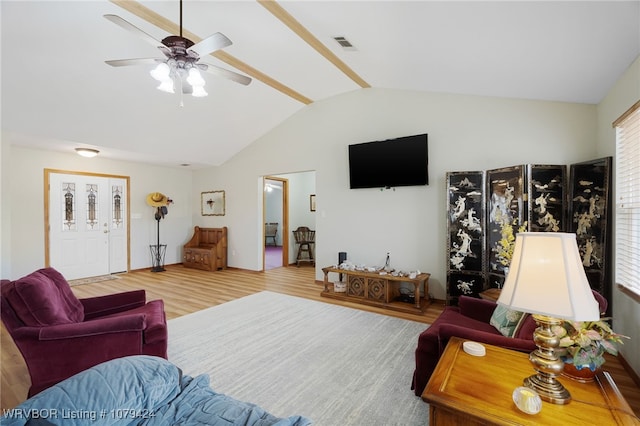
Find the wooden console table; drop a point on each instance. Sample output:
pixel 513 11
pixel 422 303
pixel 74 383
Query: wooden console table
pixel 372 288
pixel 473 391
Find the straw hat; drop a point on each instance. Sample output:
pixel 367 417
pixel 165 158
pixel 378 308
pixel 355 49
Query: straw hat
pixel 156 199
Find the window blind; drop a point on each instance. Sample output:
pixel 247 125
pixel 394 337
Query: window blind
pixel 628 200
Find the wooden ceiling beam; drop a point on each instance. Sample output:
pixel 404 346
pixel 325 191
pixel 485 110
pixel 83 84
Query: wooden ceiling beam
pixel 295 26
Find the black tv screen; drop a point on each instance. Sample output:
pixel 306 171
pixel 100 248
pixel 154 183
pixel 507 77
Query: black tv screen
pixel 394 162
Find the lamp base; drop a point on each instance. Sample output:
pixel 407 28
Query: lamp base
pixel 552 391
pixel 546 363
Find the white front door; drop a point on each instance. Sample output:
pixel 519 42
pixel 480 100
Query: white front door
pixel 87 223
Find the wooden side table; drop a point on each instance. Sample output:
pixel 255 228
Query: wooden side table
pixel 471 390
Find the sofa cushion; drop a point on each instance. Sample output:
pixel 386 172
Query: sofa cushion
pixel 44 298
pixel 507 321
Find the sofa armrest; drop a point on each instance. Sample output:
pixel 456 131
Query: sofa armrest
pixel 119 324
pixel 100 306
pixel 478 309
pixel 451 330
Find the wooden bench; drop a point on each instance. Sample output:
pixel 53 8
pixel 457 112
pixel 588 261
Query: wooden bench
pixel 207 249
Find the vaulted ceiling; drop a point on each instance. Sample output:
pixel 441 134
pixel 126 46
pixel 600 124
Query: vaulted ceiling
pixel 58 93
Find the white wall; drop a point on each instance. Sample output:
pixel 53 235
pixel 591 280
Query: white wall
pixel 621 97
pixel 465 133
pixel 23 176
pixel 5 213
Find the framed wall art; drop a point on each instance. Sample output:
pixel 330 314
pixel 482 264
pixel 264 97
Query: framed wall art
pixel 312 202
pixel 212 203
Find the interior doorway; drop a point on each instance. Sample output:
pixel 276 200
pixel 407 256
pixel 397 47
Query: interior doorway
pixel 276 222
pixel 291 208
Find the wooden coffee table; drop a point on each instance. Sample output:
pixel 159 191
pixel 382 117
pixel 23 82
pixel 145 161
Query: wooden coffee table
pixel 471 390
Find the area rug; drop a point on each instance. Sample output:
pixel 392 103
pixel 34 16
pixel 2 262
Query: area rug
pixel 332 364
pixel 89 280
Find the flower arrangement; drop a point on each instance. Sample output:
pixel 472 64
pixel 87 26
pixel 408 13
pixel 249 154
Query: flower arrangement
pixel 504 246
pixel 583 343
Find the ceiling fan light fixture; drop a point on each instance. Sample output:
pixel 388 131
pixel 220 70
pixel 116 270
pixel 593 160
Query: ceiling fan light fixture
pixel 199 92
pixel 166 86
pixel 87 152
pixel 161 72
pixel 194 78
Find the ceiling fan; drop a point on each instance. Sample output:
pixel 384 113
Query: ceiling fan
pixel 182 59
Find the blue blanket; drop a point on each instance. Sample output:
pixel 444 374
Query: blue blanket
pixel 139 390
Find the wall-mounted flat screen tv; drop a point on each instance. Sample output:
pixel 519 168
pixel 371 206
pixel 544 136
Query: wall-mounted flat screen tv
pixel 385 164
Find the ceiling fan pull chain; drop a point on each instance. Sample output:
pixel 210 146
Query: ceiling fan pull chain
pixel 181 92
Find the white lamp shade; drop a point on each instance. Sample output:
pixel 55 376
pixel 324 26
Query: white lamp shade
pixel 546 277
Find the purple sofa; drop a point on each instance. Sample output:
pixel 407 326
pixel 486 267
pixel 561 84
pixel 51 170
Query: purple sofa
pixel 470 321
pixel 60 335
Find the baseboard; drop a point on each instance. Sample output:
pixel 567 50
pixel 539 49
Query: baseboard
pixel 630 371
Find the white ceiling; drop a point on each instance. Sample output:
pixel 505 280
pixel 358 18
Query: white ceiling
pixel 57 92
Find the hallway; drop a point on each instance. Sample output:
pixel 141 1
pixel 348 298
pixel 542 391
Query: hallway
pixel 272 257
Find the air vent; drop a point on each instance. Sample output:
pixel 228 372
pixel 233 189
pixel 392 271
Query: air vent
pixel 346 44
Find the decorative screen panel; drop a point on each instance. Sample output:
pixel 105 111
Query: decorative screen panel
pixel 464 284
pixel 547 198
pixel 465 234
pixel 465 192
pixel 590 182
pixel 506 215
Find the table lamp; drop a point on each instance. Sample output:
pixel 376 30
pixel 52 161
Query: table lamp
pixel 546 279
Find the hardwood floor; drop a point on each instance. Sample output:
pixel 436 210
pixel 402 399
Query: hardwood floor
pixel 189 290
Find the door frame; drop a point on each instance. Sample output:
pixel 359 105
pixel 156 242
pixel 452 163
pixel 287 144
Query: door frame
pixel 285 219
pixel 47 193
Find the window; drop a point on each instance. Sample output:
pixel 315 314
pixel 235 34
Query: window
pixel 628 201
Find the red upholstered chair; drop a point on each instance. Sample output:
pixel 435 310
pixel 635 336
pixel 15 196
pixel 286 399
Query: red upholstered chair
pixel 60 335
pixel 470 320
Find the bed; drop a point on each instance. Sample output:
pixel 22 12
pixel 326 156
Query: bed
pixel 139 390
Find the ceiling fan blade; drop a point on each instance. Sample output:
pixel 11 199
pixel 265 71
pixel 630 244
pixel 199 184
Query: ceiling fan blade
pixel 127 62
pixel 132 28
pixel 210 44
pixel 238 78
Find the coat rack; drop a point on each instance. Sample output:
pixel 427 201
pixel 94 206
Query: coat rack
pixel 159 202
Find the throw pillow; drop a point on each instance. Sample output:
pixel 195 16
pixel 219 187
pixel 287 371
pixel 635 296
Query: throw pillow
pixel 506 321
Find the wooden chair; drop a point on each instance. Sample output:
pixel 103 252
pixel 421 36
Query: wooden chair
pixel 305 238
pixel 271 232
pixel 207 249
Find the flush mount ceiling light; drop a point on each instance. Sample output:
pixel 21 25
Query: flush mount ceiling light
pixel 87 152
